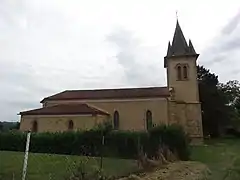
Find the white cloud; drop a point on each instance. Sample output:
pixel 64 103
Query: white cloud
pixel 51 45
pixel 222 55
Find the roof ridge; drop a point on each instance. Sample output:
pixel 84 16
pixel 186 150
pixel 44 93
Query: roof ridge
pixel 121 88
pixel 143 92
pixel 78 108
pixel 53 95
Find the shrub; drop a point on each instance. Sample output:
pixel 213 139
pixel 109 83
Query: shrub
pixel 121 144
pixel 173 136
pixel 83 171
pixel 12 141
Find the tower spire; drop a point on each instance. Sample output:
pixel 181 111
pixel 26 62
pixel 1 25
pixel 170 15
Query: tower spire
pixel 179 45
pixel 191 48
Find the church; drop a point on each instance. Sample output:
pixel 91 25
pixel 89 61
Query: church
pixel 133 109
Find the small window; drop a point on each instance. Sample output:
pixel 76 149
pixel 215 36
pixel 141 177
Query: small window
pixel 116 120
pixel 149 119
pixel 179 72
pixel 70 125
pixel 185 72
pixel 35 126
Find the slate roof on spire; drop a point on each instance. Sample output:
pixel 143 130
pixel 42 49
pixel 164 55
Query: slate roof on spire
pixel 179 46
pixel 169 49
pixel 179 43
pixel 191 48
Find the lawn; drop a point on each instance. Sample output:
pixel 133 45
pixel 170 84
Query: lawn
pixel 56 167
pixel 222 157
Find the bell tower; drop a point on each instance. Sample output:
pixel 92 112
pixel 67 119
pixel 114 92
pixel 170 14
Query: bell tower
pixel 180 63
pixel 184 106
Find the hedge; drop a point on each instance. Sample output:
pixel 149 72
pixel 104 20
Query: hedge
pixel 121 144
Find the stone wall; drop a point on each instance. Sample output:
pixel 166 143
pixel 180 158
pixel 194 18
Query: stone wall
pixel 188 115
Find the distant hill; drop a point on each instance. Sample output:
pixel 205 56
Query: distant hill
pixel 5 126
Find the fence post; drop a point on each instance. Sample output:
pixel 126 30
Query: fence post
pixel 26 156
pixel 101 160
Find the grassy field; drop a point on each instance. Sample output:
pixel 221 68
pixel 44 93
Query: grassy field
pixel 222 157
pixel 56 167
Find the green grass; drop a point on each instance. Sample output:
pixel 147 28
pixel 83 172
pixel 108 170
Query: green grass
pixel 222 157
pixel 56 167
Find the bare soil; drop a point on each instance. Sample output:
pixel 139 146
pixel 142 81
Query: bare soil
pixel 183 170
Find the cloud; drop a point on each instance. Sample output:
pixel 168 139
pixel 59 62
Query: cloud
pixel 43 51
pixel 222 55
pixel 48 46
pixel 142 65
pixel 39 56
pixel 231 25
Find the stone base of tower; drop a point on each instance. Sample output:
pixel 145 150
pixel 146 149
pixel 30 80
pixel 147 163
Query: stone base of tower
pixel 188 115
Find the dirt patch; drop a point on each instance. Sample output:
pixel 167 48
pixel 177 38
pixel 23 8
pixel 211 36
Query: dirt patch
pixel 184 170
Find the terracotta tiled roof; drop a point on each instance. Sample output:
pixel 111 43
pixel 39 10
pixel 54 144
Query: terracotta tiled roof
pixel 110 94
pixel 65 109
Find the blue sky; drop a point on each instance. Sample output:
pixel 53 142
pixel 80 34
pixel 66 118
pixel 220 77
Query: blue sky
pixel 48 46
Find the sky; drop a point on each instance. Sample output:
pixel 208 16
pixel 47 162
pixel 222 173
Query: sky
pixel 48 46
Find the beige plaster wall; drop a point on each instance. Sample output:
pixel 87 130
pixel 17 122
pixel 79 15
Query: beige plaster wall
pixel 132 112
pixel 60 123
pixel 186 90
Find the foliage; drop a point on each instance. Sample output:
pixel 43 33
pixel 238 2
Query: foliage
pixel 121 144
pixel 105 127
pixel 6 126
pixel 220 103
pixel 16 126
pixel 164 135
pixel 215 99
pixel 83 172
pixel 1 126
pixel 231 91
pixel 12 141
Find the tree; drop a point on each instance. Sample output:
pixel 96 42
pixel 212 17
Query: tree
pixel 237 107
pixel 16 126
pixel 215 112
pixel 231 89
pixel 1 126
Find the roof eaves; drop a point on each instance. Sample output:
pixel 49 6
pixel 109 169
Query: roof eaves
pixel 49 97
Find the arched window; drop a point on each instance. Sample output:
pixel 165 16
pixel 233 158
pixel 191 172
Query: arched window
pixel 116 120
pixel 149 119
pixel 70 125
pixel 185 72
pixel 179 72
pixel 35 126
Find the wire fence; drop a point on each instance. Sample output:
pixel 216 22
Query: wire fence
pixel 35 166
